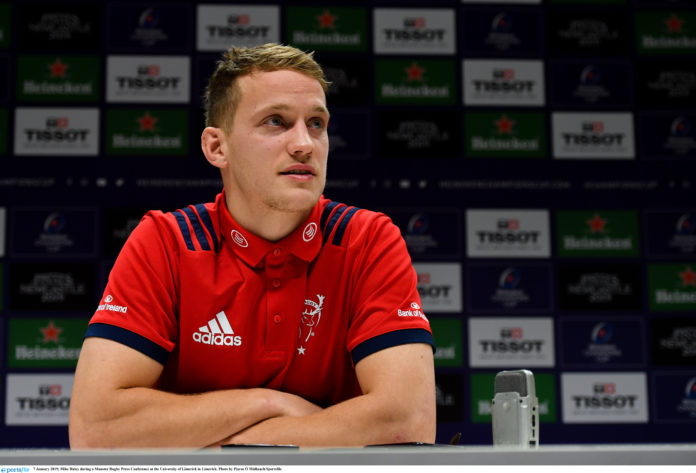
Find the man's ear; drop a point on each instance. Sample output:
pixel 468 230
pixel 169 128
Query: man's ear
pixel 214 146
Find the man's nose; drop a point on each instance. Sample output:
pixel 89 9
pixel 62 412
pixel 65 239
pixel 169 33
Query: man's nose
pixel 300 144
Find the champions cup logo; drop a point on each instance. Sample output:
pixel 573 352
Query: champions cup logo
pixel 681 127
pixel 690 390
pixel 686 224
pixel 502 23
pixel 602 333
pixel 509 278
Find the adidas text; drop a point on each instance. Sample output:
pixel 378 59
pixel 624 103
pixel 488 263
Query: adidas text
pixel 219 339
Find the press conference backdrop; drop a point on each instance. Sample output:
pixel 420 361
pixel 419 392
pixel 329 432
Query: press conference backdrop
pixel 538 156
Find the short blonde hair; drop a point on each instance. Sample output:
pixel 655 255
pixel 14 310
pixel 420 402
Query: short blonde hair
pixel 222 94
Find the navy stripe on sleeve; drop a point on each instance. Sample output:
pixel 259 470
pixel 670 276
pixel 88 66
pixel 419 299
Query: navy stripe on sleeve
pixel 197 228
pixel 325 214
pixel 130 339
pixel 391 339
pixel 343 225
pixel 183 226
pixel 332 222
pixel 205 218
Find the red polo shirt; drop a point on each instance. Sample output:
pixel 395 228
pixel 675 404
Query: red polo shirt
pixel 222 308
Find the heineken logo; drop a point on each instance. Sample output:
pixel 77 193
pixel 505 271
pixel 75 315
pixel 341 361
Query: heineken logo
pixel 45 342
pixel 673 287
pixel 505 134
pixel 688 277
pixel 326 19
pixel 58 78
pixel 665 33
pixel 147 132
pixel 674 24
pixel 147 122
pixel 598 233
pixel 58 68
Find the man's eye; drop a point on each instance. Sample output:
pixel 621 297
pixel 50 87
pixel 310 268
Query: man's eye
pixel 316 124
pixel 275 121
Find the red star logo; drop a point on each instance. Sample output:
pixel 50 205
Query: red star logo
pixel 58 68
pixel 326 19
pixel 688 277
pixel 504 125
pixel 51 332
pixel 674 24
pixel 597 224
pixel 414 72
pixel 147 122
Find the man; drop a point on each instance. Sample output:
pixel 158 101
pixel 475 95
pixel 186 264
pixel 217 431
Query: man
pixel 271 315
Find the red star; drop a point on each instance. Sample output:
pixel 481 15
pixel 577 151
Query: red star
pixel 51 332
pixel 58 68
pixel 414 72
pixel 688 277
pixel 504 125
pixel 147 122
pixel 597 224
pixel 674 24
pixel 326 19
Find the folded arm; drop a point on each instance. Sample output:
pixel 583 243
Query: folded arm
pixel 115 404
pixel 397 406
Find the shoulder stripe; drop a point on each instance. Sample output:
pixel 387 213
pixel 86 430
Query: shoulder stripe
pixel 333 220
pixel 128 338
pixel 183 226
pixel 325 214
pixel 391 339
pixel 338 237
pixel 197 228
pixel 205 218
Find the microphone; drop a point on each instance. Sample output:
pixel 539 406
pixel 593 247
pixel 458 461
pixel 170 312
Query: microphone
pixel 515 410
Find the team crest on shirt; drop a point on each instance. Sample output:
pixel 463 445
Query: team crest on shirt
pixel 310 320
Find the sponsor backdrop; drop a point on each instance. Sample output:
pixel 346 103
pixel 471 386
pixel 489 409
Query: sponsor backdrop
pixel 538 155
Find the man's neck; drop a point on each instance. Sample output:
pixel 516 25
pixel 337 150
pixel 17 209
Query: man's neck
pixel 267 223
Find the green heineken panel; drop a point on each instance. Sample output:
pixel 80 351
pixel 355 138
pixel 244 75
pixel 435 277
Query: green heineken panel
pixel 672 286
pixel 448 341
pixel 327 29
pixel 149 132
pixel 505 134
pixel 666 32
pixel 411 81
pixel 58 78
pixel 45 343
pixel 597 233
pixel 481 389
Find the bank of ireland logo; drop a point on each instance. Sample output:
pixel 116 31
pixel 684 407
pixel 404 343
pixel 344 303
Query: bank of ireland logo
pixel 309 232
pixel 239 239
pixel 311 316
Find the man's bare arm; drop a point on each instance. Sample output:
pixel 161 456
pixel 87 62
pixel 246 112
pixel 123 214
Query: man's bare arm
pixel 114 404
pixel 397 406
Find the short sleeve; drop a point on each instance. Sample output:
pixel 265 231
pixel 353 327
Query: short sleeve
pixel 138 307
pixel 385 304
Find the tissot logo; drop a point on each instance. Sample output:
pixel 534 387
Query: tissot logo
pixel 439 286
pixel 507 342
pixel 507 233
pixel 508 82
pixel 163 79
pixel 38 399
pixel 220 26
pixel 50 131
pixel 604 397
pixel 406 31
pixel 592 135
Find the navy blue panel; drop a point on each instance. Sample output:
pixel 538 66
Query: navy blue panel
pixel 325 214
pixel 334 219
pixel 391 339
pixel 197 228
pixel 343 225
pixel 130 339
pixel 184 230
pixel 205 218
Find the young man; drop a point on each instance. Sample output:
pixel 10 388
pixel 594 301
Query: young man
pixel 271 315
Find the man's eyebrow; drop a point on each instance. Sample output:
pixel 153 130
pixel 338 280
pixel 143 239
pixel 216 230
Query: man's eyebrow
pixel 282 107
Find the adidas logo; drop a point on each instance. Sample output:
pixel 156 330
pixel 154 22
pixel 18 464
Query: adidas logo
pixel 218 332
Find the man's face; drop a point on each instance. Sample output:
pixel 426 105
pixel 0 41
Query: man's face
pixel 278 144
